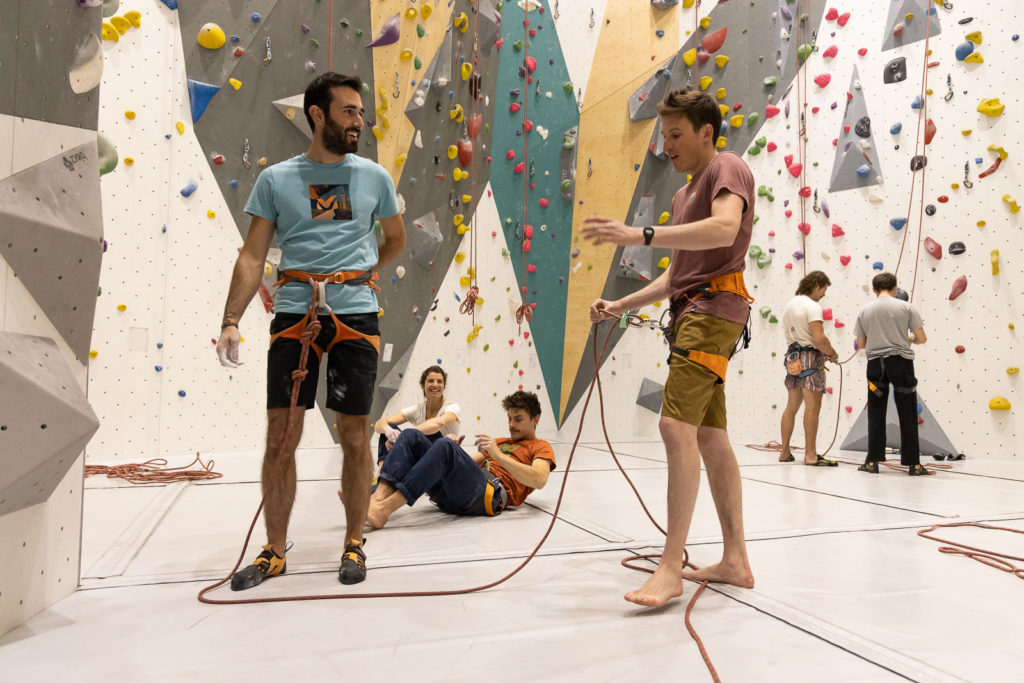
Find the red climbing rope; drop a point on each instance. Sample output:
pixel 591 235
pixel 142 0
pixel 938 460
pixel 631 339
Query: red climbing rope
pixel 922 115
pixel 991 558
pixel 801 94
pixel 468 306
pixel 155 472
pixel 525 310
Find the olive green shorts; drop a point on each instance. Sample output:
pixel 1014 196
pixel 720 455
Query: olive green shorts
pixel 693 393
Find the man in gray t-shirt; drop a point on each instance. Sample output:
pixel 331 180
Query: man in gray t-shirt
pixel 885 329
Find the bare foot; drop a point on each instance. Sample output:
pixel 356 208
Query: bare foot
pixel 377 516
pixel 736 575
pixel 785 456
pixel 663 585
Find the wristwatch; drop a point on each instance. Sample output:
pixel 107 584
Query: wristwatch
pixel 648 235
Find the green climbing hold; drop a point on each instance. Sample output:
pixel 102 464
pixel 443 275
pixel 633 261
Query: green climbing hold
pixel 420 31
pixel 765 312
pixel 765 259
pixel 761 142
pixel 486 346
pixel 773 320
pixel 566 186
pixel 754 151
pixel 359 31
pixel 567 87
pixel 417 63
pixel 771 81
pixel 755 251
pixel 752 119
pixel 762 191
pixel 517 46
pixel 804 51
pixel 568 142
pixel 107 154
pixel 314 42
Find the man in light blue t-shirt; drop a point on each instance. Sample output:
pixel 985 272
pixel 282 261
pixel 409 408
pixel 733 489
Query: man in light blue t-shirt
pixel 322 206
pixel 885 329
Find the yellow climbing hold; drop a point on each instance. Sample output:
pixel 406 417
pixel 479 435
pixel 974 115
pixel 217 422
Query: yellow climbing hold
pixel 122 308
pixel 995 262
pixel 736 121
pixel 721 61
pixel 411 13
pixel 465 281
pixel 130 115
pixel 975 58
pixel 400 159
pixel 405 55
pixel 463 229
pixel 108 32
pixel 453 151
pixel 425 11
pixel 1012 370
pixel 721 142
pixel 262 161
pixel 211 37
pixel 998 403
pixel 663 263
pixel 210 213
pixel 981 224
pixel 460 257
pixel 690 56
pixel 180 127
pixel 974 37
pixel 458 174
pixel 129 161
pixel 134 18
pixel 1003 154
pixel 967 132
pixel 235 83
pixel 705 81
pixel 705 22
pixel 378 132
pixel 687 4
pixel 93 353
pixel 1014 206
pixel 473 335
pixel 467 198
pixel 457 219
pixel 724 109
pixel 121 24
pixel 991 107
pixel 720 93
pixel 663 218
pixel 955 186
pixel 456 113
pixel 467 70
pixel 461 22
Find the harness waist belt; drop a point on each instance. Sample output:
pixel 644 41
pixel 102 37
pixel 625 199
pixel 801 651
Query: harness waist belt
pixel 341 277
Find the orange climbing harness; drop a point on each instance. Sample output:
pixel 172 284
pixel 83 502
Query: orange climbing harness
pixel 730 282
pixel 308 329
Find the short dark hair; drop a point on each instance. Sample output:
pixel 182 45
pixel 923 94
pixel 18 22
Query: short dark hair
pixel 883 282
pixel 435 369
pixel 523 400
pixel 318 92
pixel 699 109
pixel 812 281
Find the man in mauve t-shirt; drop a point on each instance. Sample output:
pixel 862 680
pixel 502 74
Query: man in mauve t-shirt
pixel 712 219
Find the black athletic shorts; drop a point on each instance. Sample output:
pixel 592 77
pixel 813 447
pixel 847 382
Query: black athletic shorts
pixel 351 365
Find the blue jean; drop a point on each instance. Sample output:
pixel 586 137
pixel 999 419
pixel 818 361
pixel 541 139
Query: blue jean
pixel 415 465
pixel 382 449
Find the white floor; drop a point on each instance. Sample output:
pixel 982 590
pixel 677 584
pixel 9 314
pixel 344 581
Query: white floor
pixel 846 590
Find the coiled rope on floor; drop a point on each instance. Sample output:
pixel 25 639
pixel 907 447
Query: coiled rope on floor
pixel 991 558
pixel 155 471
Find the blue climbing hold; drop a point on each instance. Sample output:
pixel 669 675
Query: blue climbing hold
pixel 895 128
pixel 256 17
pixel 181 393
pixel 235 39
pixel 636 167
pixel 660 33
pixel 864 170
pixel 159 345
pixel 412 181
pixel 979 160
pixel 1016 37
pixel 158 368
pixel 877 265
pixel 963 50
pixel 200 94
pixel 189 189
pixel 163 229
pixel 916 104
pixel 171 4
pixel 898 223
pixel 233 183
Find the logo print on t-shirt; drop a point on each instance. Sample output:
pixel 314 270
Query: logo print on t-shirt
pixel 330 202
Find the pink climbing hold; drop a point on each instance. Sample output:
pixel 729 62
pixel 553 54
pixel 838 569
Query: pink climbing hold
pixel 526 245
pixel 832 14
pixel 845 259
pixel 795 169
pixel 499 42
pixel 805 228
pixel 959 285
pixel 897 30
pixel 530 268
pixel 514 107
pixel 843 18
pixel 839 324
pixel 520 167
pixel 863 51
pixel 849 409
pixel 510 155
pixel 789 213
pixel 933 247
pixel 771 233
pixel 543 202
pixel 823 80
pixel 714 41
pixel 531 64
pixel 772 147
pixel 789 266
pixel 528 232
pixel 771 111
pixel 826 314
pixel 830 52
pixel 837 231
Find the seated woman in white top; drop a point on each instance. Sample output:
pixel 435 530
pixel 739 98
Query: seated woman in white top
pixel 434 416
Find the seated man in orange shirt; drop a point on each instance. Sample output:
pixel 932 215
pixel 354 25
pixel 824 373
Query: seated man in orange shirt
pixel 501 474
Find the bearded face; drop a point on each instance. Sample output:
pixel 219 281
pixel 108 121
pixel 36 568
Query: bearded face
pixel 339 140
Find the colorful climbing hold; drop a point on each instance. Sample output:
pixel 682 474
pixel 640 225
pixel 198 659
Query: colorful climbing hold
pixel 959 285
pixel 211 36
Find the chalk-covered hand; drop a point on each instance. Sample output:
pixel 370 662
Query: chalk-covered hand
pixel 601 230
pixel 227 347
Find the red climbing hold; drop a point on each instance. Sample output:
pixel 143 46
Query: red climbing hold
pixel 823 80
pixel 499 42
pixel 714 41
pixel 527 125
pixel 702 57
pixel 510 155
pixel 514 107
pixel 849 409
pixel 795 169
pixel 830 52
pixel 832 14
pixel 789 213
pixel 771 111
pixel 528 231
pixel 788 159
pixel 771 147
pixel 843 18
pixel 929 131
pixel 805 228
pixel 863 51
pixel 959 285
pixel 474 124
pixel 933 247
pixel 837 231
pixel 465 152
pixel 959 348
pixel 526 245
pixel 531 64
pixel 805 191
pixel 845 259
pixel 520 167
pixel 943 199
pixel 737 106
pixel 543 202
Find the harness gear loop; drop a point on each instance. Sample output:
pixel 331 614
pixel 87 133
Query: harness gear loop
pixel 308 329
pixel 716 363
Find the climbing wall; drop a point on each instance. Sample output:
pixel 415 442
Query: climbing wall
pixel 822 100
pixel 50 250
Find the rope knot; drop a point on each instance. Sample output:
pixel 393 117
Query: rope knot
pixel 469 303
